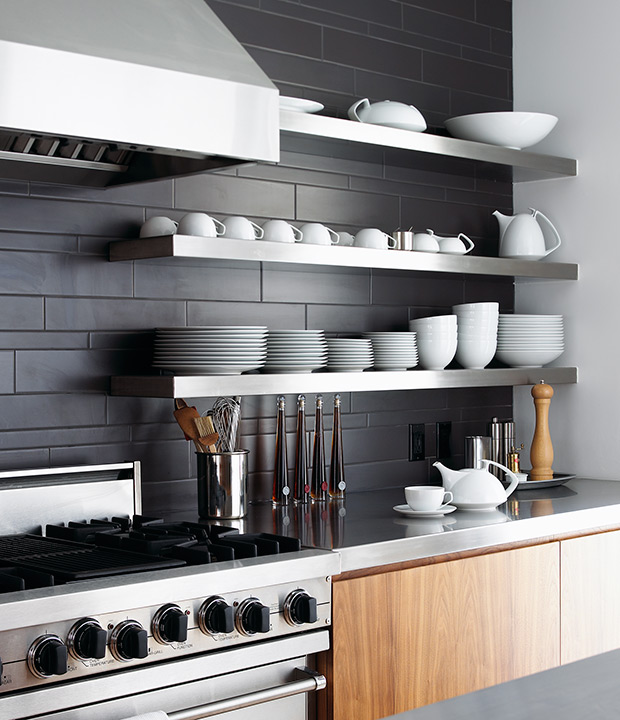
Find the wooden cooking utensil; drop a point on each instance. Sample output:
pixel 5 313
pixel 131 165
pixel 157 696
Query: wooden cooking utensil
pixel 541 452
pixel 185 416
pixel 206 432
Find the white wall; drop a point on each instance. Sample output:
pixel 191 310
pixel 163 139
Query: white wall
pixel 566 62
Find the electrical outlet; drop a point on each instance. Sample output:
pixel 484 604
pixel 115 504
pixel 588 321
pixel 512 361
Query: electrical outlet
pixel 444 430
pixel 416 442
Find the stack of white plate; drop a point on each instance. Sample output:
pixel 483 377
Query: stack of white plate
pixel 295 351
pixel 477 333
pixel 349 354
pixel 393 350
pixel 436 338
pixel 530 340
pixel 210 349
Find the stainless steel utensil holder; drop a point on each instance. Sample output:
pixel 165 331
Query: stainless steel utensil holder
pixel 222 484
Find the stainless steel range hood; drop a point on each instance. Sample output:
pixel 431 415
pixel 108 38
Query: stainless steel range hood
pixel 107 92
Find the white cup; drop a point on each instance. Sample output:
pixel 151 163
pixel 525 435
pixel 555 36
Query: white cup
pixel 345 239
pixel 281 231
pixel 200 224
pixel 241 228
pixel 426 498
pixel 425 242
pixel 436 351
pixel 158 225
pixel 374 238
pixel 317 234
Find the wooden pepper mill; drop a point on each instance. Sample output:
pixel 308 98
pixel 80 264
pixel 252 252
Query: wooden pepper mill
pixel 541 452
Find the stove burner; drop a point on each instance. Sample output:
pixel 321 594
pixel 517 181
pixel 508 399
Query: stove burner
pixel 102 547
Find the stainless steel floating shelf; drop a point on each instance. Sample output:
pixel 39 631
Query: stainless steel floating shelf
pixel 186 246
pixel 169 386
pixel 338 129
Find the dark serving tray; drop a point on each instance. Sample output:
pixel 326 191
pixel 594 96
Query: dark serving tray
pixel 558 479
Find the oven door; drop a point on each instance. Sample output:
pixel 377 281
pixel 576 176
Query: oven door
pixel 270 680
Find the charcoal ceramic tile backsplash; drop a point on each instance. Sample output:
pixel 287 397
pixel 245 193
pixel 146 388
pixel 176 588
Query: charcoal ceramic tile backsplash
pixel 69 318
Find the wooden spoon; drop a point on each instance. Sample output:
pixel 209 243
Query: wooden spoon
pixel 185 416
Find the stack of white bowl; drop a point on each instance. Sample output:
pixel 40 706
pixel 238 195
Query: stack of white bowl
pixel 393 350
pixel 477 333
pixel 210 350
pixel 349 354
pixel 530 340
pixel 295 351
pixel 436 338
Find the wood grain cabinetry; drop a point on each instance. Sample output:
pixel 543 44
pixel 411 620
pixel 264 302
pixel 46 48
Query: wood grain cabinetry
pixel 411 637
pixel 590 595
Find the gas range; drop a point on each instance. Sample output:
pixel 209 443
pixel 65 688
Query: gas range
pixel 111 591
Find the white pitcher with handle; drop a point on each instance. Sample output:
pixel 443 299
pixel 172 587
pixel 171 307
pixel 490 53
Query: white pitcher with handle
pixel 521 237
pixel 476 488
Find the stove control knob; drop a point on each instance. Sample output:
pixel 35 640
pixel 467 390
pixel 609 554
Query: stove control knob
pixel 129 641
pixel 216 616
pixel 300 608
pixel 252 617
pixel 87 640
pixel 170 625
pixel 47 656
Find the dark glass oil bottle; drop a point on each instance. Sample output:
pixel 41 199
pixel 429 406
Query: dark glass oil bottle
pixel 301 489
pixel 318 484
pixel 337 483
pixel 281 490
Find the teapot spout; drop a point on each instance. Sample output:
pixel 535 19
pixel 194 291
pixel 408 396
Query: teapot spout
pixel 503 220
pixel 448 476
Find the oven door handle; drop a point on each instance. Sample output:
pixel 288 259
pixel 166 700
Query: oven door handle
pixel 311 682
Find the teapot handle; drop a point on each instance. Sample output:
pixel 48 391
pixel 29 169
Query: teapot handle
pixel 514 481
pixel 467 241
pixel 363 103
pixel 555 232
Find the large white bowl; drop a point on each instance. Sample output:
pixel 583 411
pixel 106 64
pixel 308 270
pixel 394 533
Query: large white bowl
pixel 527 358
pixel 510 129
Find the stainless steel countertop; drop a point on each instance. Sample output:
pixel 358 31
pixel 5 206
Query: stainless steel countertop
pixel 367 532
pixel 584 689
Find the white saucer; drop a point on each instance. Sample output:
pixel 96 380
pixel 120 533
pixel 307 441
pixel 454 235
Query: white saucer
pixel 406 510
pixel 299 104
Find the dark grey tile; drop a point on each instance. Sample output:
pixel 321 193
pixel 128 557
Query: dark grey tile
pixel 20 313
pixel 281 173
pixel 234 196
pixel 38 242
pixel 488 58
pixel 32 411
pixel 464 102
pixel 391 187
pixel 339 206
pixel 445 218
pixel 394 288
pixel 162 498
pixel 376 444
pixel 142 340
pixel 273 315
pixel 44 438
pixel 443 173
pixel 24 459
pixel 303 71
pixel 411 416
pixel 501 42
pixel 331 16
pixel 465 9
pixel 415 39
pixel 316 285
pixel 152 194
pixel 108 314
pixel 13 187
pixel 192 281
pixel 356 319
pixel 445 27
pixel 386 12
pixel 496 13
pixel 481 397
pixel 396 473
pixel 37 340
pixel 7 372
pixel 304 158
pixel 484 288
pixel 68 371
pixel 55 273
pixel 58 216
pixel 270 30
pixel 138 411
pixel 366 53
pixel 398 400
pixel 467 75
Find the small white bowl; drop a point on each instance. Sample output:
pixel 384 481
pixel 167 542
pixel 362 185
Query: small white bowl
pixel 509 129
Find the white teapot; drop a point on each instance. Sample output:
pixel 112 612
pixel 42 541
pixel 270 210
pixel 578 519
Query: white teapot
pixel 476 488
pixel 521 237
pixel 389 113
